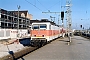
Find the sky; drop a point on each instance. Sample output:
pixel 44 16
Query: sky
pixel 80 10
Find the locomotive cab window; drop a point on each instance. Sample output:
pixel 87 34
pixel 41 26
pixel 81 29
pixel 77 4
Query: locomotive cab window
pixel 43 26
pixel 35 27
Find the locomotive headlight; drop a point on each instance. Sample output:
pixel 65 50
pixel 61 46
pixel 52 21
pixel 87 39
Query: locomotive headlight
pixel 34 35
pixel 42 35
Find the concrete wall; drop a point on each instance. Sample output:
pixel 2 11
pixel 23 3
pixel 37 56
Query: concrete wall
pixel 12 33
pixel 29 16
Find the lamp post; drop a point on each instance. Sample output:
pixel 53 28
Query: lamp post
pixel 18 22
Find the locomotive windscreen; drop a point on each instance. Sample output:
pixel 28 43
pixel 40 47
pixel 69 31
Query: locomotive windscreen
pixel 35 27
pixel 39 26
pixel 43 26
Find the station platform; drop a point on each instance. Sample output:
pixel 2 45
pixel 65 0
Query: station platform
pixel 79 49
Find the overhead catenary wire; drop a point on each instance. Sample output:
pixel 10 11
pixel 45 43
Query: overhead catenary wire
pixel 33 5
pixel 41 5
pixel 49 7
pixel 54 5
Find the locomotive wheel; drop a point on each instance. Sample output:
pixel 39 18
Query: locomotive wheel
pixel 42 43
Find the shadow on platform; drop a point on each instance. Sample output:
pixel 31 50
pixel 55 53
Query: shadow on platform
pixel 63 41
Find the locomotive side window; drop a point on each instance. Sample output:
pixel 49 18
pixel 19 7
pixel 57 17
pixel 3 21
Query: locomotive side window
pixel 35 27
pixel 43 26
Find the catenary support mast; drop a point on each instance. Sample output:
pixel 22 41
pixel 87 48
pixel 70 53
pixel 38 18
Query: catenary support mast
pixel 68 16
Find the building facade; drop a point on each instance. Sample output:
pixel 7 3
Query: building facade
pixel 23 14
pixel 9 19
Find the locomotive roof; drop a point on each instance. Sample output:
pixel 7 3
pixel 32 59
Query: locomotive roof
pixel 41 21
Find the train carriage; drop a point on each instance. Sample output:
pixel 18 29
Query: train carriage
pixel 43 32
